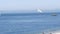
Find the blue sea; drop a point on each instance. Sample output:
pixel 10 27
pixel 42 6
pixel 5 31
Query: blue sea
pixel 28 23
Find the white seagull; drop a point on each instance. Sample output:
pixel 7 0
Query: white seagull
pixel 39 10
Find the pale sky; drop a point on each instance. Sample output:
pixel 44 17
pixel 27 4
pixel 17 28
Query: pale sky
pixel 29 4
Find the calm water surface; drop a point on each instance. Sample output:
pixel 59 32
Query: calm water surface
pixel 29 23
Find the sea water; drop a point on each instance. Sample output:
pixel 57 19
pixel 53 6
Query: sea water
pixel 28 23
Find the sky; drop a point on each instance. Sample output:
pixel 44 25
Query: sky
pixel 29 4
